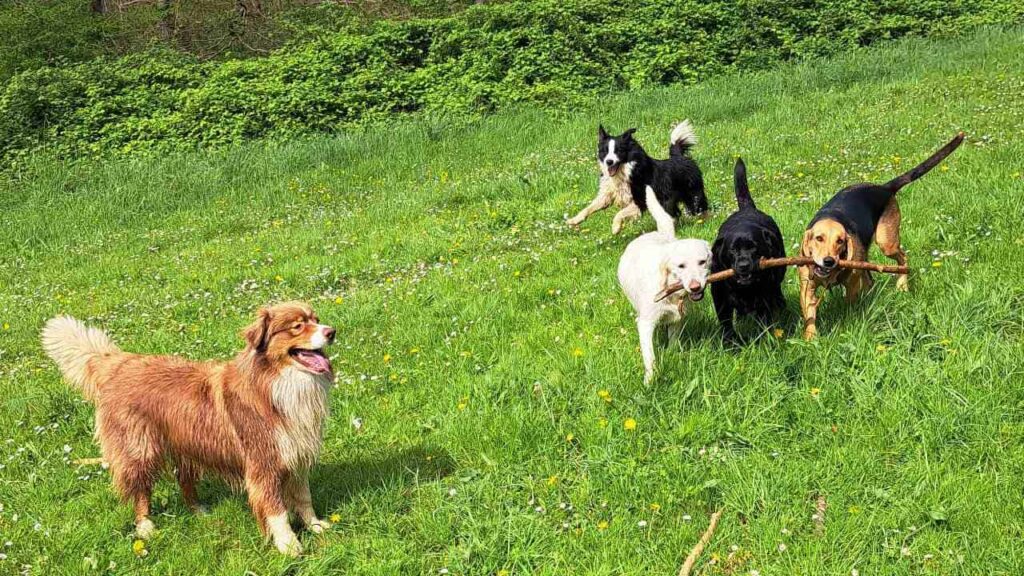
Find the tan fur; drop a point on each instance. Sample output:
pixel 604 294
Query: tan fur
pixel 829 238
pixel 612 191
pixel 255 420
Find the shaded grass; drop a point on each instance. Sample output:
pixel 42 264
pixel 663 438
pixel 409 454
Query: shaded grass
pixel 500 326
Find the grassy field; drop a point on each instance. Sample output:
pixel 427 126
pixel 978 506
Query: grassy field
pixel 494 362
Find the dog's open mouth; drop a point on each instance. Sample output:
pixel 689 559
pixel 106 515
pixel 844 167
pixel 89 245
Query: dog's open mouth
pixel 821 271
pixel 312 360
pixel 612 170
pixel 696 296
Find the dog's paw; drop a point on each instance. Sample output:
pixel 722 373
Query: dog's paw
pixel 145 529
pixel 616 227
pixel 288 545
pixel 903 284
pixel 574 222
pixel 318 526
pixel 810 333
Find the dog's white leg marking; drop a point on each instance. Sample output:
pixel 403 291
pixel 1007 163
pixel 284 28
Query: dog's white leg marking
pixel 601 201
pixel 144 529
pixel 666 224
pixel 302 504
pixel 284 539
pixel 631 212
pixel 645 328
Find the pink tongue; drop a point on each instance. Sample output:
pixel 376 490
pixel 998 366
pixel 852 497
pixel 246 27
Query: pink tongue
pixel 315 361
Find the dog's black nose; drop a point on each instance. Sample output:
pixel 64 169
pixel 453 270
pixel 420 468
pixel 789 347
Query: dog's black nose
pixel 609 161
pixel 828 261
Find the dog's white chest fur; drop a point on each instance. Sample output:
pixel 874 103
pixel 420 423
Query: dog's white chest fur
pixel 301 399
pixel 617 187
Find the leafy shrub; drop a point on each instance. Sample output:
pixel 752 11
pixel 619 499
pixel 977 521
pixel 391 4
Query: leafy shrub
pixel 546 52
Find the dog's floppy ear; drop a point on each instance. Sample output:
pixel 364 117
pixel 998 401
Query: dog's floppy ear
pixel 768 238
pixel 256 333
pixel 601 132
pixel 718 250
pixel 806 242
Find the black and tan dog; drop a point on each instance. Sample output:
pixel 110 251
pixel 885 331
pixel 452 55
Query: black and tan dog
pixel 843 230
pixel 747 236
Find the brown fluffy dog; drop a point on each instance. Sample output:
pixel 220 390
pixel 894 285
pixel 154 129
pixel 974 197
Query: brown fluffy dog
pixel 255 420
pixel 843 230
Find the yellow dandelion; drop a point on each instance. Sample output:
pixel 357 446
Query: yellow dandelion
pixel 937 264
pixel 570 437
pixel 502 572
pixel 335 518
pixel 139 547
pixel 602 422
pixel 881 348
pixel 943 342
pixel 339 300
pixel 414 350
pixel 603 394
pixel 629 424
pixel 465 353
pixel 944 168
pixel 516 273
pixel 7 326
pixel 602 525
pixel 577 352
pixel 815 391
pixel 799 174
pixel 655 507
pixel 463 403
pixel 278 278
pixel 387 358
pixel 778 333
pixel 552 480
pixel 854 509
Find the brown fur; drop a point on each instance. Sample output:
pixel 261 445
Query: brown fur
pixel 829 238
pixel 217 417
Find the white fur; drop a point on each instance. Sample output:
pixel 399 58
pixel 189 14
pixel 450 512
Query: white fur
pixel 666 223
pixel 71 345
pixel 319 339
pixel 650 263
pixel 611 155
pixel 301 398
pixel 283 536
pixel 683 133
pixel 612 190
pixel 145 529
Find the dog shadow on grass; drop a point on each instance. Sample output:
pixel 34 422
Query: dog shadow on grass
pixel 341 480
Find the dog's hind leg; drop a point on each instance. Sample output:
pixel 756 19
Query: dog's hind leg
pixel 136 459
pixel 187 475
pixel 887 236
pixel 645 328
pixel 630 212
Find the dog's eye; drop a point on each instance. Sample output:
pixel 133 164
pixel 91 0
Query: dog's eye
pixel 702 263
pixel 819 238
pixel 297 326
pixel 682 265
pixel 841 241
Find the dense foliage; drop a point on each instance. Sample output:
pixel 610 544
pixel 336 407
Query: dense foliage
pixel 546 52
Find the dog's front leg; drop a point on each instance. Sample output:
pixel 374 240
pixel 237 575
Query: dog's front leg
pixel 631 212
pixel 266 498
pixel 300 502
pixel 602 201
pixel 645 328
pixel 808 302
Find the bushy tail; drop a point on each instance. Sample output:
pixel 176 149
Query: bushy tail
pixel 682 139
pixel 923 168
pixel 739 177
pixel 71 345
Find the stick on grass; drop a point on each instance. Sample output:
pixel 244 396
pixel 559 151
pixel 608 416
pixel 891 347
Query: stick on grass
pixel 704 539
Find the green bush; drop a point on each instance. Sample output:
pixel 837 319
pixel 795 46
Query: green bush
pixel 546 52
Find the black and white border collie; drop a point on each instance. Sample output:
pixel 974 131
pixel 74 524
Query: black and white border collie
pixel 636 183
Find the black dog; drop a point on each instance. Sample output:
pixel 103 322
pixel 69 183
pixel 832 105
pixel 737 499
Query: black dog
pixel 634 181
pixel 745 237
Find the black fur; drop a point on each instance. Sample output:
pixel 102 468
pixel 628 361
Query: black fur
pixel 675 180
pixel 859 207
pixel 745 237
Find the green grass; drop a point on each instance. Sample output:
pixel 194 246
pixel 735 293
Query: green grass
pixel 476 332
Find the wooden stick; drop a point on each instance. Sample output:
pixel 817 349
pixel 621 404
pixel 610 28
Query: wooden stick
pixel 704 539
pixel 765 263
pixel 87 461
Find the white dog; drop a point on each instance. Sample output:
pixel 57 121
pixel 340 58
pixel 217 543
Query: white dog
pixel 651 263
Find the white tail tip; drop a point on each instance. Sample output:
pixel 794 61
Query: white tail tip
pixel 683 133
pixel 71 344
